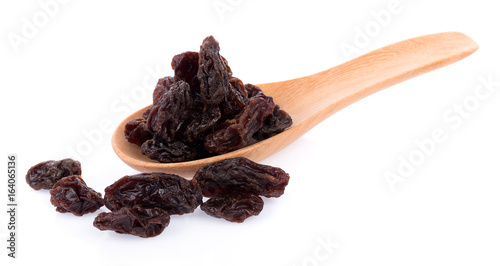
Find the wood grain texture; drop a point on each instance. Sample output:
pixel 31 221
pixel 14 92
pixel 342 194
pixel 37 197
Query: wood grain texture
pixel 312 99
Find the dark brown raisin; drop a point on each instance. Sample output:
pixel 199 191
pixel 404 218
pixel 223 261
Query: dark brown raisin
pixel 169 114
pixel 236 133
pixel 233 206
pixel 168 152
pixel 44 175
pixel 137 132
pixel 212 73
pixel 71 194
pixel 170 192
pixel 202 120
pixel 185 67
pixel 252 90
pixel 274 124
pixel 162 87
pixel 136 221
pixel 237 99
pixel 241 174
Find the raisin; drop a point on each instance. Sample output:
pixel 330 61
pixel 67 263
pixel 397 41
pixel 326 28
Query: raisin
pixel 236 133
pixel 170 192
pixel 137 132
pixel 44 175
pixel 237 99
pixel 71 194
pixel 135 220
pixel 162 87
pixel 168 152
pixel 233 206
pixel 169 114
pixel 241 174
pixel 213 73
pixel 201 121
pixel 185 67
pixel 252 90
pixel 274 124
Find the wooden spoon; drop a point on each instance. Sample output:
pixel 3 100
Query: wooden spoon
pixel 310 100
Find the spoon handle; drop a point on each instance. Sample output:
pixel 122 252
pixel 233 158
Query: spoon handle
pixel 335 88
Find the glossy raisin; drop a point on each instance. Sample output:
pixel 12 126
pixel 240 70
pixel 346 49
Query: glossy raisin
pixel 168 116
pixel 185 67
pixel 44 175
pixel 274 124
pixel 138 221
pixel 71 194
pixel 241 174
pixel 137 132
pixel 237 99
pixel 168 152
pixel 170 192
pixel 212 73
pixel 233 206
pixel 236 133
pixel 162 87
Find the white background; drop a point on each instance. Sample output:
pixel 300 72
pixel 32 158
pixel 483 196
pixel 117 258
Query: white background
pixel 84 65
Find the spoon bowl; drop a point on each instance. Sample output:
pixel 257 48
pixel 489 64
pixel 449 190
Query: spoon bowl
pixel 311 99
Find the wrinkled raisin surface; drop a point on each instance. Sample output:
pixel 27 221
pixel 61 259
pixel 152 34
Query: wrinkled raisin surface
pixel 44 175
pixel 137 132
pixel 213 73
pixel 143 222
pixel 236 133
pixel 274 124
pixel 169 115
pixel 170 192
pixel 233 206
pixel 241 174
pixel 203 110
pixel 71 194
pixel 168 152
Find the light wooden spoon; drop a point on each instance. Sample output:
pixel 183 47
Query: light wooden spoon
pixel 310 100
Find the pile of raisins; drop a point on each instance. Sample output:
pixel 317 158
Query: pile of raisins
pixel 141 204
pixel 203 110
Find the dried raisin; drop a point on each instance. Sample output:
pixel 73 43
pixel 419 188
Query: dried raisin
pixel 168 152
pixel 71 194
pixel 44 175
pixel 137 132
pixel 241 174
pixel 170 192
pixel 233 206
pixel 274 124
pixel 135 220
pixel 236 133
pixel 212 73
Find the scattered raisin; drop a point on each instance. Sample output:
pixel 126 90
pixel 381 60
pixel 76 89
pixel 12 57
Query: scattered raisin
pixel 170 192
pixel 233 206
pixel 44 175
pixel 135 220
pixel 71 194
pixel 241 174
